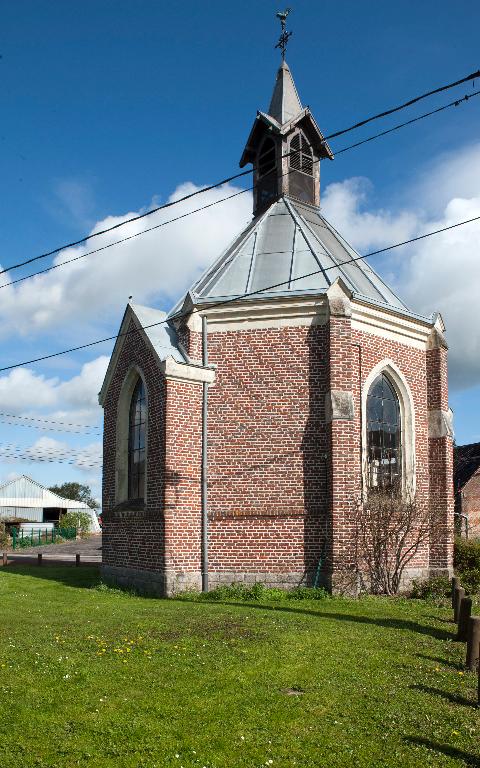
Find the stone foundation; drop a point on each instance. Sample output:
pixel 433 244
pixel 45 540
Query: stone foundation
pixel 153 583
pixel 170 583
pixel 279 580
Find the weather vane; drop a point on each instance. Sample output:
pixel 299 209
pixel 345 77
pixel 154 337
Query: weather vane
pixel 285 36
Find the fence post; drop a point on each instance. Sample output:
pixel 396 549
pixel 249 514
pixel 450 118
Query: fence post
pixel 39 558
pixel 473 644
pixel 455 585
pixel 478 688
pixel 77 559
pixel 5 558
pixel 459 593
pixel 464 614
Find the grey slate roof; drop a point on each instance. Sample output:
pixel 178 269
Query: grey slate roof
pixel 291 248
pixel 161 335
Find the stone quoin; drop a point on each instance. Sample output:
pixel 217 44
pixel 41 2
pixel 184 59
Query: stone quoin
pixel 288 381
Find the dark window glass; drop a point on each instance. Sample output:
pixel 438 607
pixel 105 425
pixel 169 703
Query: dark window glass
pixel 136 442
pixel 267 178
pixel 383 435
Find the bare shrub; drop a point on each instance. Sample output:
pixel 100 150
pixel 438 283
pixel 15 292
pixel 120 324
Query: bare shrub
pixel 389 532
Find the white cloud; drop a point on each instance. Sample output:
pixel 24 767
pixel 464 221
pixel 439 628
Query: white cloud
pixel 22 391
pixel 82 390
pixel 159 264
pixel 345 204
pixel 439 273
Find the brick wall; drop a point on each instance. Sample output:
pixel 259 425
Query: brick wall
pixel 281 480
pixel 183 477
pixel 132 539
pixel 471 504
pixel 267 443
pixel 440 462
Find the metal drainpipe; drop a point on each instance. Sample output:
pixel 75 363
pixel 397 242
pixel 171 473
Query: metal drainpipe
pixel 204 554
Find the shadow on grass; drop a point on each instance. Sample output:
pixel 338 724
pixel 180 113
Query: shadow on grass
pixel 388 623
pixel 441 620
pixel 440 660
pixel 452 697
pixel 445 749
pixel 86 576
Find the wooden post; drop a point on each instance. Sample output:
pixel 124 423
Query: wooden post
pixel 77 559
pixel 455 585
pixel 473 644
pixel 459 593
pixel 464 613
pixel 39 558
pixel 5 558
pixel 478 688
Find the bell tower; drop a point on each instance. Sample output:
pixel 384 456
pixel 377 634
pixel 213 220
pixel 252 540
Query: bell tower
pixel 285 145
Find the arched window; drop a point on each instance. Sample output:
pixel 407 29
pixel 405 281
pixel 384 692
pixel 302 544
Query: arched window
pixel 136 442
pixel 267 178
pixel 384 432
pixel 266 157
pixel 301 182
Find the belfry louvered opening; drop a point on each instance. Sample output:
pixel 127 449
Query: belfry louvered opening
pixel 301 182
pixel 267 186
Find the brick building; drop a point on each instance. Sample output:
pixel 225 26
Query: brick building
pixel 240 428
pixel 466 474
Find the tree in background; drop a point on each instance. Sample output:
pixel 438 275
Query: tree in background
pixel 76 492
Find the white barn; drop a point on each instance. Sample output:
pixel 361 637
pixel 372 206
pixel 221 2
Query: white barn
pixel 27 499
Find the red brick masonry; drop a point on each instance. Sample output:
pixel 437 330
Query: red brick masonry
pixel 283 472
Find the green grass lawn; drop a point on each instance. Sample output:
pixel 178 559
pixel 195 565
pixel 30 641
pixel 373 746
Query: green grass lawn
pixel 92 677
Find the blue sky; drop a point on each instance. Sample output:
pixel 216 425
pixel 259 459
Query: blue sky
pixel 110 107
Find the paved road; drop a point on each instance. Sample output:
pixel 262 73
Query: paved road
pixel 90 551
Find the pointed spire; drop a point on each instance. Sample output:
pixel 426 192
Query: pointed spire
pixel 285 103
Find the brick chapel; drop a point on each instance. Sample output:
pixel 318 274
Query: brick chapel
pixel 240 428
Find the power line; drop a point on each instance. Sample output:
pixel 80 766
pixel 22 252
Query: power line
pixel 408 122
pixel 48 421
pixel 48 429
pixel 127 221
pixel 123 240
pixel 234 176
pixel 244 295
pixel 21 457
pixel 409 103
pixel 464 99
pixel 79 458
pixel 62 451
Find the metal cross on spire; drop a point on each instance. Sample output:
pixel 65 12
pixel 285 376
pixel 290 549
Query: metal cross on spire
pixel 285 36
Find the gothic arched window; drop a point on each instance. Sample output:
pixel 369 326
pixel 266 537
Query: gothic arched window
pixel 301 183
pixel 384 446
pixel 267 178
pixel 136 442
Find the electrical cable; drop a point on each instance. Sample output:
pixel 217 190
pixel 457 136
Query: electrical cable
pixel 408 122
pixel 49 461
pixel 472 76
pixel 123 240
pixel 243 296
pixel 227 180
pixel 63 451
pixel 48 429
pixel 456 103
pixel 48 421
